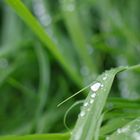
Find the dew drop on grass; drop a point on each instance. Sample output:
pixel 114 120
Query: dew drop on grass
pixel 95 87
pixel 118 130
pixel 104 78
pixel 91 101
pixel 82 114
pixel 93 95
pixel 85 104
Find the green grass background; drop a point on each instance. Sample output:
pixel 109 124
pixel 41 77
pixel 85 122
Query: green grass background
pixel 50 49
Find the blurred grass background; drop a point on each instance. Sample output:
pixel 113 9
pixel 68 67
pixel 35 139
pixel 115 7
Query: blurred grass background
pixel 84 38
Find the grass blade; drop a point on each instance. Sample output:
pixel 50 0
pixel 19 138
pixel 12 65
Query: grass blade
pixel 75 30
pixel 30 20
pixel 131 131
pixel 93 106
pixel 85 128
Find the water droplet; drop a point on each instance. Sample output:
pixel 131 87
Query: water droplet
pixel 119 130
pixel 104 78
pixel 85 104
pixel 95 87
pixel 102 85
pixel 91 101
pixel 82 114
pixel 93 95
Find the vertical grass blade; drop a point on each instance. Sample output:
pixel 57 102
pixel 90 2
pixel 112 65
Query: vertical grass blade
pixel 74 27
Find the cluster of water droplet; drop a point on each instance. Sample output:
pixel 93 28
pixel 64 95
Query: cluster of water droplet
pixel 94 88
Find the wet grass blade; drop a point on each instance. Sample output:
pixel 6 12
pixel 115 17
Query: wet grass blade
pixel 85 128
pixel 112 125
pixel 93 106
pixel 131 131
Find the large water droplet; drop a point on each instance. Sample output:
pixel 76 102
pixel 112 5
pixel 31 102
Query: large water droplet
pixel 95 87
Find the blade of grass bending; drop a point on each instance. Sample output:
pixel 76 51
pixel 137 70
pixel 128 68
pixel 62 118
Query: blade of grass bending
pixel 65 116
pixel 92 108
pixel 88 118
pixel 30 20
pixel 73 95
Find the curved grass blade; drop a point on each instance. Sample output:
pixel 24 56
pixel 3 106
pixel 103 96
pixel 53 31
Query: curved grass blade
pixel 93 106
pixel 85 128
pixel 44 80
pixel 66 114
pixel 73 95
